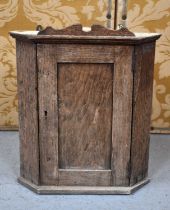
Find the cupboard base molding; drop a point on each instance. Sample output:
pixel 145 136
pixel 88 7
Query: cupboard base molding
pixel 82 190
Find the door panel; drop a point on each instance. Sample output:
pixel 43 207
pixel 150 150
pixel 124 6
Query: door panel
pixel 85 115
pixel 81 90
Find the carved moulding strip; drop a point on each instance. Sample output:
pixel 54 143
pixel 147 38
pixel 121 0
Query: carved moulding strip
pixel 77 30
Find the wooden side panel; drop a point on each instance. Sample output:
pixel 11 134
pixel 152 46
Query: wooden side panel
pixel 142 103
pixel 85 94
pixel 84 177
pixel 48 115
pixel 122 115
pixel 28 116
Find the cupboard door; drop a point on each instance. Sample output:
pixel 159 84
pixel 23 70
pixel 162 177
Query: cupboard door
pixel 85 94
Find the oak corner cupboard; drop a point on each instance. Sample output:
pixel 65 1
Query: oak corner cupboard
pixel 84 109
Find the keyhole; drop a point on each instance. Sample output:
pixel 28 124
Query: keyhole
pixel 45 113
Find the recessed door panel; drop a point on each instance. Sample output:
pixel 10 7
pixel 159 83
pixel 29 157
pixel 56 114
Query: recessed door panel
pixel 85 97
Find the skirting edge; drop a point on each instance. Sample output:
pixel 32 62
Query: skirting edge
pixel 81 190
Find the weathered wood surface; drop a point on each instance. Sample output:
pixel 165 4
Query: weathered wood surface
pixel 28 114
pixel 85 94
pixel 84 137
pixel 142 104
pixel 48 116
pixel 72 53
pixel 77 30
pixel 82 190
pixel 84 141
pixel 88 123
pixel 122 116
pixel 86 177
pixel 139 38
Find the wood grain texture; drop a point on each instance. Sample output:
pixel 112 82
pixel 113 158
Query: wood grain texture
pixel 122 116
pixel 77 30
pixel 72 53
pixel 85 94
pixel 51 81
pixel 28 115
pixel 48 116
pixel 94 104
pixel 69 117
pixel 142 104
pixel 84 177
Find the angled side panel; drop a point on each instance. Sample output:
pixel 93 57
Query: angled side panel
pixel 28 116
pixel 142 104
